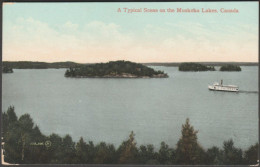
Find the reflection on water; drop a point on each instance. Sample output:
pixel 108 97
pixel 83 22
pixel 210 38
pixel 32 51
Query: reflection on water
pixel 244 91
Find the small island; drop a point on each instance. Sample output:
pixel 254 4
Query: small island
pixel 114 69
pixel 7 70
pixel 230 67
pixel 195 67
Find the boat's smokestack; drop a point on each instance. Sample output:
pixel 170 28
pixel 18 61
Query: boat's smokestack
pixel 221 83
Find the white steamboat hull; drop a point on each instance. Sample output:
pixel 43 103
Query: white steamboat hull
pixel 223 88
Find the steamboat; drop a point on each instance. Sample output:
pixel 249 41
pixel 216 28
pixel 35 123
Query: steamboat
pixel 220 87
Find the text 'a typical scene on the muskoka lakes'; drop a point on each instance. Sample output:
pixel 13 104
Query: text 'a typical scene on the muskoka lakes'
pixel 177 10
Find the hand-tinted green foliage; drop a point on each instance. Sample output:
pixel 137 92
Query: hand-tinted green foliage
pixel 230 67
pixel 6 69
pixel 25 144
pixel 231 154
pixel 251 155
pixel 213 156
pixel 147 155
pixel 82 151
pixel 128 152
pixel 105 154
pixel 188 149
pixel 194 67
pixel 114 69
pixel 166 155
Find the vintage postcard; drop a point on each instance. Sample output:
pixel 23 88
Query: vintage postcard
pixel 130 83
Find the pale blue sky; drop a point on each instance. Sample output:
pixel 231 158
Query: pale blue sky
pixel 94 32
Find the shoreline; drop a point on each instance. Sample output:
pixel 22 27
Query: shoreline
pixel 129 76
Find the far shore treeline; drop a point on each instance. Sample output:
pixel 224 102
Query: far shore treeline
pixel 25 144
pixel 68 64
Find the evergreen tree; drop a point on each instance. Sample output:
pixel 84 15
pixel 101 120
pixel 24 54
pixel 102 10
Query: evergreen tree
pixel 188 151
pixel 81 151
pixel 128 151
pixel 4 124
pixel 68 149
pixel 12 118
pixel 231 155
pixel 251 155
pixel 105 154
pixel 147 155
pixel 213 156
pixel 55 152
pixel 11 137
pixel 166 154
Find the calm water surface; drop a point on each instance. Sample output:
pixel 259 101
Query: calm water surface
pixel 155 109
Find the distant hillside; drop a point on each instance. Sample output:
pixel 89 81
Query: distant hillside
pixel 39 65
pixel 204 63
pixel 114 69
pixel 44 65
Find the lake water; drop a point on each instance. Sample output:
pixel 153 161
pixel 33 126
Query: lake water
pixel 155 109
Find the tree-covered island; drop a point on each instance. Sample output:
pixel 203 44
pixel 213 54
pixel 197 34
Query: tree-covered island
pixel 7 70
pixel 195 67
pixel 114 69
pixel 230 67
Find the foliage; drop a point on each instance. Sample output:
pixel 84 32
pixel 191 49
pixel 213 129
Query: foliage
pixel 231 154
pixel 23 145
pixel 128 151
pixel 105 154
pixel 230 67
pixel 6 69
pixel 252 154
pixel 166 155
pixel 188 150
pixel 114 69
pixel 147 155
pixel 213 156
pixel 194 67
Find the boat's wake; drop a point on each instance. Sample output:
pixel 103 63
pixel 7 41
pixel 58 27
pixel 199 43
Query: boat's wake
pixel 245 91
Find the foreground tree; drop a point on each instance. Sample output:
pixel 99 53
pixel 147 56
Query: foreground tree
pixel 251 155
pixel 105 154
pixel 188 151
pixel 82 151
pixel 213 156
pixel 147 155
pixel 166 154
pixel 11 136
pixel 128 151
pixel 231 154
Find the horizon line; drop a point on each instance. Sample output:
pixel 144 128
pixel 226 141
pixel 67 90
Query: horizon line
pixel 136 62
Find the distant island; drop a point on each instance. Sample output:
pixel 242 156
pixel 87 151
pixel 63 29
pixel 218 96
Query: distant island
pixel 7 70
pixel 114 69
pixel 230 67
pixel 195 67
